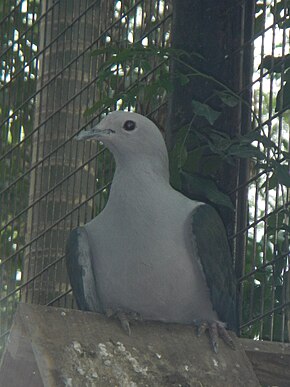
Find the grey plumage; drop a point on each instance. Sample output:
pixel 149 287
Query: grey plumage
pixel 151 250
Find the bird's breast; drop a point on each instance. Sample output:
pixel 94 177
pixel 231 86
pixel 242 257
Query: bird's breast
pixel 144 262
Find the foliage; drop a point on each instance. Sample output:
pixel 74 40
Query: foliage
pixel 266 285
pixel 134 76
pixel 18 82
pixel 277 66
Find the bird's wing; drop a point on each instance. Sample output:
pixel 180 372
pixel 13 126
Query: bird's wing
pixel 79 267
pixel 215 257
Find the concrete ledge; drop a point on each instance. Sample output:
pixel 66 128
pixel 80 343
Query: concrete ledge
pixel 61 347
pixel 270 360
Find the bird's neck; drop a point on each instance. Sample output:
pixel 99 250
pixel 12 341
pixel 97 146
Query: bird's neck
pixel 142 171
pixel 152 162
pixel 135 179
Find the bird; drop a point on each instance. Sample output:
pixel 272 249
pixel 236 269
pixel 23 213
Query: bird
pixel 151 253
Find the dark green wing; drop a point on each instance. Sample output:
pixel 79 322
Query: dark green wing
pixel 79 268
pixel 215 257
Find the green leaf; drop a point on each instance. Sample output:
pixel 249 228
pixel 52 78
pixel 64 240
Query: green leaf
pixel 219 142
pixel 278 7
pixel 218 197
pixel 284 25
pixel 204 187
pixel 177 157
pixel 257 136
pixel 103 50
pixel 286 155
pixel 275 64
pixel 182 135
pixel 165 82
pixel 93 108
pixel 105 102
pixel 183 79
pixel 146 65
pixel 259 7
pixel 246 151
pixel 287 75
pixel 275 222
pixel 285 227
pixel 205 111
pixel 124 54
pixel 210 164
pixel 228 98
pixel 272 182
pixel 283 97
pixel 179 152
pixel 194 157
pixel 175 179
pixel 282 172
pixel 259 24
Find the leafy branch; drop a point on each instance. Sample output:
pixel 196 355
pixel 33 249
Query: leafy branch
pixel 138 77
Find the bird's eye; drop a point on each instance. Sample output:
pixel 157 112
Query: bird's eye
pixel 129 125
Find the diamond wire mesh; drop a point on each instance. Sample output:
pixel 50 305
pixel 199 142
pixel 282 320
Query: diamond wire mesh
pixel 265 296
pixel 50 183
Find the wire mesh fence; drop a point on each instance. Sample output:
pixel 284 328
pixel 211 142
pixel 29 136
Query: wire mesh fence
pixel 53 56
pixel 265 293
pixel 49 182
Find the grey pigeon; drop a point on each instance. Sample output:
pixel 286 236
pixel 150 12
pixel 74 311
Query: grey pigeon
pixel 151 252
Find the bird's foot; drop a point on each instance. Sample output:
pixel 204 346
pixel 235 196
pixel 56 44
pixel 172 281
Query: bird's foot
pixel 215 329
pixel 125 318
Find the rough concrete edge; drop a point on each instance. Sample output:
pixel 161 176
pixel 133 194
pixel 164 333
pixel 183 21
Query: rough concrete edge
pixel 19 342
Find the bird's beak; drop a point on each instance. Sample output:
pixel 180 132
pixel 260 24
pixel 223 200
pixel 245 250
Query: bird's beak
pixel 94 133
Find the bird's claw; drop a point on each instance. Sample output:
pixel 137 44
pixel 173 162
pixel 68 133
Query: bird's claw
pixel 125 324
pixel 201 327
pixel 215 329
pixel 125 318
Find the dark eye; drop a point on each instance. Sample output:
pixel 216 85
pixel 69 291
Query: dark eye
pixel 129 125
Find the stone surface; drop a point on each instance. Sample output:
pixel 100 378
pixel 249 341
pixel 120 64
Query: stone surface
pixel 62 347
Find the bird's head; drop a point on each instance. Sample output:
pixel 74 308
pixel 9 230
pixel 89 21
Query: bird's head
pixel 130 137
